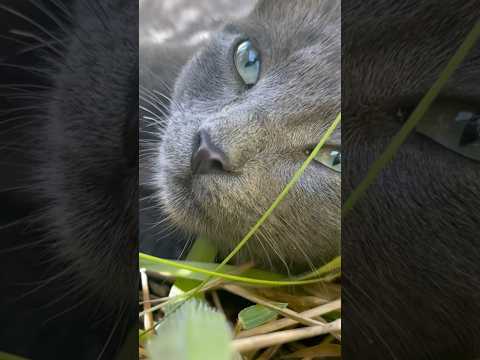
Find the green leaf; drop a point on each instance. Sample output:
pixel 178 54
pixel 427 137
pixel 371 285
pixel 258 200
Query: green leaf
pixel 257 315
pixel 193 332
pixel 202 251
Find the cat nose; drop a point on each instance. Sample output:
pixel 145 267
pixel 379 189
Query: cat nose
pixel 206 157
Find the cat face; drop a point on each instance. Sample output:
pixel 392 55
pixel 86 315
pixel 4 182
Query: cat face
pixel 89 174
pixel 261 132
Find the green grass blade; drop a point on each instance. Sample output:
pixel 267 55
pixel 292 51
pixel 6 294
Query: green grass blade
pixel 334 265
pixel 178 269
pixel 191 271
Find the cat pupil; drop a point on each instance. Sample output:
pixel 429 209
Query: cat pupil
pixel 252 58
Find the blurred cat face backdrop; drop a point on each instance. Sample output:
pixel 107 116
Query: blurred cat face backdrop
pixel 410 279
pixel 70 122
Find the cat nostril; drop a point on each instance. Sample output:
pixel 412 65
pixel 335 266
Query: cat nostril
pixel 206 157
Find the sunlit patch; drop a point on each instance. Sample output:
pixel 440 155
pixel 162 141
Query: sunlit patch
pixel 159 37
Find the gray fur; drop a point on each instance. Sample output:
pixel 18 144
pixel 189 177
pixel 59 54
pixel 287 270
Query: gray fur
pixel 264 131
pixel 410 281
pixel 410 248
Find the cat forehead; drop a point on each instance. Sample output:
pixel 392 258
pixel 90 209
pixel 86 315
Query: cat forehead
pixel 292 24
pixel 298 13
pixel 299 44
pixel 288 31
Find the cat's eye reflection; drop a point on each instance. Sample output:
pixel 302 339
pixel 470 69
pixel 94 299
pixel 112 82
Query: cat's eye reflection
pixel 247 63
pixel 455 126
pixel 331 158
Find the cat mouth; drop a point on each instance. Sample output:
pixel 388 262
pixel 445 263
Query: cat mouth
pixel 197 202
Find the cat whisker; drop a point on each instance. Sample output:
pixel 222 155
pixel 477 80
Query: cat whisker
pixel 188 243
pixel 155 106
pixel 42 285
pixel 114 328
pixel 73 287
pixel 69 309
pixel 41 43
pixel 171 101
pixel 158 79
pixel 52 16
pixel 147 110
pixel 264 233
pixel 18 41
pixel 295 239
pixel 154 97
pixel 59 5
pixel 30 21
pixel 261 237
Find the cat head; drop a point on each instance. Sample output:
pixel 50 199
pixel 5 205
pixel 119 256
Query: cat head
pixel 245 112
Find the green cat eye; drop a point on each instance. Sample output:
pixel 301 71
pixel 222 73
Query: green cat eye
pixel 330 158
pixel 247 63
pixel 454 125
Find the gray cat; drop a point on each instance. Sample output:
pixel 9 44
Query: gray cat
pixel 244 114
pixel 411 284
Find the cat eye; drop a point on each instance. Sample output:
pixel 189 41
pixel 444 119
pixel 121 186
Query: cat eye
pixel 247 63
pixel 454 125
pixel 331 158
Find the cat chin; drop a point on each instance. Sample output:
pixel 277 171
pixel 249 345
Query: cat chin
pixel 225 223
